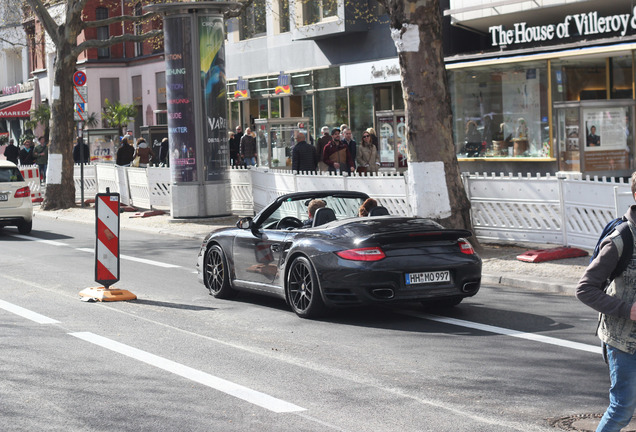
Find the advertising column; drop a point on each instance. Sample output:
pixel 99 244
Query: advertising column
pixel 197 107
pixel 213 89
pixel 180 92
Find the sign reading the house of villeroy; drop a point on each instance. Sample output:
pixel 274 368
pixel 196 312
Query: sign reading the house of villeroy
pixel 588 24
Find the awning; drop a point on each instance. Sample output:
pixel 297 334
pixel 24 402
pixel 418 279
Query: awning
pixel 21 109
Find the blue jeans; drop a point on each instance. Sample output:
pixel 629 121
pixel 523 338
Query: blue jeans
pixel 622 368
pixel 250 160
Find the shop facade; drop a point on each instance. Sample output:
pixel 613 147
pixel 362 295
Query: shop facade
pixel 540 89
pixel 360 96
pixel 546 90
pixel 15 109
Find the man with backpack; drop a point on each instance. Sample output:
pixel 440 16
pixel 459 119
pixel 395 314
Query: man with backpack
pixel 609 286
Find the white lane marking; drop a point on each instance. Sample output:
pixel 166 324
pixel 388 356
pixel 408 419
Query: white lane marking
pixel 89 250
pixel 147 261
pixel 51 242
pixel 508 332
pixel 25 313
pixel 252 396
pixel 132 258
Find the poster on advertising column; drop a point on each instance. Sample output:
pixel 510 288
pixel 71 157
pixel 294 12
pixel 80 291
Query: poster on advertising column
pixel 605 135
pixel 179 95
pixel 213 88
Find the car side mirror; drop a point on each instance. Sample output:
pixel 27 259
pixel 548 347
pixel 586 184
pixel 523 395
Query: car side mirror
pixel 244 223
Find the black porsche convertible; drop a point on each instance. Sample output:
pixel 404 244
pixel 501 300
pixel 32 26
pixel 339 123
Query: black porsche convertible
pixel 339 259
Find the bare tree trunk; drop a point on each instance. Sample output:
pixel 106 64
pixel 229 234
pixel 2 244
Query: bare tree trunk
pixel 435 184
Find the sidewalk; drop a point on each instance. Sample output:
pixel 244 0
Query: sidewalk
pixel 500 266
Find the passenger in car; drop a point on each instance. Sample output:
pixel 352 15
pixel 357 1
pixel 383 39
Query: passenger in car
pixel 366 207
pixel 314 205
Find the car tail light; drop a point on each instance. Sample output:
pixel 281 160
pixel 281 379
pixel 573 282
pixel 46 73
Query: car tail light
pixel 24 192
pixel 466 247
pixel 362 254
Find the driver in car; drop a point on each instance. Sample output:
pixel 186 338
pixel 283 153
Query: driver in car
pixel 314 205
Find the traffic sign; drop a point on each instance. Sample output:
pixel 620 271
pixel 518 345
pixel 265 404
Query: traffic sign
pixel 80 112
pixel 80 94
pixel 79 78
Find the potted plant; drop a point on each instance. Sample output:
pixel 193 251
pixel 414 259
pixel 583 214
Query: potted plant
pixel 275 162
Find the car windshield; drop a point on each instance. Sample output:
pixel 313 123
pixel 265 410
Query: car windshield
pixel 343 207
pixel 10 174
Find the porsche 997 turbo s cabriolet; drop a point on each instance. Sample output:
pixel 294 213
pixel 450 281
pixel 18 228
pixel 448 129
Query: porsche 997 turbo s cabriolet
pixel 338 259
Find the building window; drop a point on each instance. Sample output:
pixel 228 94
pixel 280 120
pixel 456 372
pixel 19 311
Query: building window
pixel 103 33
pixel 281 15
pixel 331 108
pixel 501 110
pixel 315 11
pixel 139 46
pixel 253 22
pixel 579 79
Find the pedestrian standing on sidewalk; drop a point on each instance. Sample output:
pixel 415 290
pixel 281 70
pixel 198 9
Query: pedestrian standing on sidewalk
pixel 12 152
pixel 41 155
pixel 303 155
pixel 248 148
pixel 26 154
pixel 617 308
pixel 125 153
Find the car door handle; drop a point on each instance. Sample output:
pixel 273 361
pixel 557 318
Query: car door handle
pixel 275 247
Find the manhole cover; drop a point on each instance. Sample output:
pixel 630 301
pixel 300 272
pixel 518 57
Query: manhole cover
pixel 584 423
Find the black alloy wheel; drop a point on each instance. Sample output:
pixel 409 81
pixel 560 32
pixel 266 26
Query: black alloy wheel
pixel 217 279
pixel 303 291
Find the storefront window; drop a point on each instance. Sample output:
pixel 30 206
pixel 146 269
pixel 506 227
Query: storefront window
pixel 501 110
pixel 383 100
pixel 398 98
pixel 263 112
pixel 580 79
pixel 361 99
pixel 331 108
pixel 276 108
pixel 234 119
pixel 621 77
pixel 326 78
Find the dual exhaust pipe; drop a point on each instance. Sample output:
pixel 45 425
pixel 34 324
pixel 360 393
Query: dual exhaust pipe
pixel 388 293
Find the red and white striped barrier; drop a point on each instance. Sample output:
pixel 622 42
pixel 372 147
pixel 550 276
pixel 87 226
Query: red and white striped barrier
pixel 106 251
pixel 107 244
pixel 31 175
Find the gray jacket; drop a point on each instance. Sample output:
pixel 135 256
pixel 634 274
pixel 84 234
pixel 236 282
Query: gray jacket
pixel 614 304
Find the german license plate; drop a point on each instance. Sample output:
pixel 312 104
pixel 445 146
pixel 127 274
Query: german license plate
pixel 4 197
pixel 428 277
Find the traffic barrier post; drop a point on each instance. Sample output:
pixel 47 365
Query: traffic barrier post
pixel 106 251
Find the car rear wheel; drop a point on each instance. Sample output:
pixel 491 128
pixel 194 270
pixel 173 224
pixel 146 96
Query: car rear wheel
pixel 303 291
pixel 217 277
pixel 25 227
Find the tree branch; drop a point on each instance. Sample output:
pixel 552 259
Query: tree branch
pixel 47 21
pixel 233 13
pixel 117 19
pixel 12 43
pixel 113 40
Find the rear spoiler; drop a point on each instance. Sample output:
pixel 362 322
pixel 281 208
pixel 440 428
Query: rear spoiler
pixel 418 236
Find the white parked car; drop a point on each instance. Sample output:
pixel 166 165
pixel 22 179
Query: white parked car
pixel 16 208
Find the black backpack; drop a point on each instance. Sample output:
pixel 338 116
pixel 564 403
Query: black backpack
pixel 628 245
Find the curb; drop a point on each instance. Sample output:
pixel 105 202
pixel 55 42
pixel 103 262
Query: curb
pixel 534 284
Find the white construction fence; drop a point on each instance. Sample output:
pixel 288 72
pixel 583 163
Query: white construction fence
pixel 568 209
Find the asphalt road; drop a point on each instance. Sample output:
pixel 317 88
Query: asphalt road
pixel 178 360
